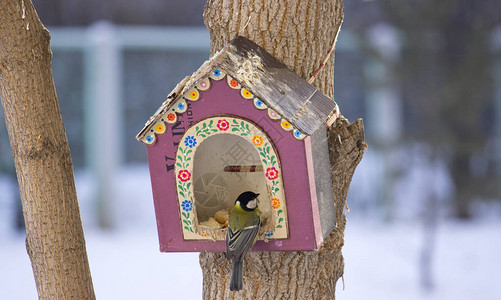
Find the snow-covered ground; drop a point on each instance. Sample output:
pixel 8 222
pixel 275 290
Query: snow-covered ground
pixel 381 259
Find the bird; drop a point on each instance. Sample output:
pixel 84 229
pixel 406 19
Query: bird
pixel 243 227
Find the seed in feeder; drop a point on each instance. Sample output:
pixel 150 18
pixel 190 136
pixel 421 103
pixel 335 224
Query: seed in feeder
pixel 211 223
pixel 222 216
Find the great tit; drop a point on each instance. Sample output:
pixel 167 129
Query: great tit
pixel 245 219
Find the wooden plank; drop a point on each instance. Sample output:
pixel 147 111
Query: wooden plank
pixel 279 87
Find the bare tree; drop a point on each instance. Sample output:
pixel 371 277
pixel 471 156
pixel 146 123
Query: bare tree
pixel 54 235
pixel 446 79
pixel 300 34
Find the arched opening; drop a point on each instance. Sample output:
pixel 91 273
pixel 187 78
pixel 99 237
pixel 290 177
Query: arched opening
pixel 226 165
pixel 219 158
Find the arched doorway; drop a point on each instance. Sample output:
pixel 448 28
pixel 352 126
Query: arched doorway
pixel 217 159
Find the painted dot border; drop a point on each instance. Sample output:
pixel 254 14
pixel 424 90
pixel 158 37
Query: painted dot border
pixel 193 94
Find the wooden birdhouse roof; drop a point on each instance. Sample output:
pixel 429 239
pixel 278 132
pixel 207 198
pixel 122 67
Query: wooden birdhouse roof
pixel 285 94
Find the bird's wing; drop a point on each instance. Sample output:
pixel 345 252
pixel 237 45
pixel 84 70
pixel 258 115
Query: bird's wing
pixel 240 241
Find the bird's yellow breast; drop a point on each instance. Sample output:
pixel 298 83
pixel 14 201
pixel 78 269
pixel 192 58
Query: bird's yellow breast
pixel 240 218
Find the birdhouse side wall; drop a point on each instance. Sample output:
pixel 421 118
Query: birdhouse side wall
pixel 323 181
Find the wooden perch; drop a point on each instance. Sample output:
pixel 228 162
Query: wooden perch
pixel 237 169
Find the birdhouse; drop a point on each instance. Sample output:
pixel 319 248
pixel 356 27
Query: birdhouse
pixel 242 122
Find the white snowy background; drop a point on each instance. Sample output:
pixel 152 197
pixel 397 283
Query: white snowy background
pixel 382 258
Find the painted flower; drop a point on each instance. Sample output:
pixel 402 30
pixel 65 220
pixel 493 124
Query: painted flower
pixel 171 117
pixel 275 203
pixel 184 175
pixel 190 141
pixel 187 205
pixel 259 103
pixel 223 125
pixel 271 173
pixel 297 133
pixel 257 140
pixel 180 106
pixel 233 83
pixel 149 139
pixel 268 234
pixel 217 73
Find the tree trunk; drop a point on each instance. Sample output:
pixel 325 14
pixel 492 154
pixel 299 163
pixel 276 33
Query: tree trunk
pixel 299 33
pixel 54 235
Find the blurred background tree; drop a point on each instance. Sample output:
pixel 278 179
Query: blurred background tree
pixel 144 12
pixel 445 74
pixel 447 88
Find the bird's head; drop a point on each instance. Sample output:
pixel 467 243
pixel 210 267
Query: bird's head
pixel 247 201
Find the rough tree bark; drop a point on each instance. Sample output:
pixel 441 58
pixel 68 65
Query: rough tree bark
pixel 299 33
pixel 54 234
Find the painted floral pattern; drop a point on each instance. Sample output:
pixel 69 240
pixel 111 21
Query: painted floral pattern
pixel 187 221
pixel 233 83
pixel 187 205
pixel 271 173
pixel 184 175
pixel 257 140
pixel 279 219
pixel 268 158
pixel 205 130
pixel 184 186
pixel 275 203
pixel 223 125
pixel 190 141
pixel 184 168
pixel 194 94
pixel 241 127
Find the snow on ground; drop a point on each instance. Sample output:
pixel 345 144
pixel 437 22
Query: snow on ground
pixel 124 265
pixel 381 259
pixel 125 261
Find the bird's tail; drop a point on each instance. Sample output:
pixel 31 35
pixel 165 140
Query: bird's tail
pixel 236 276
